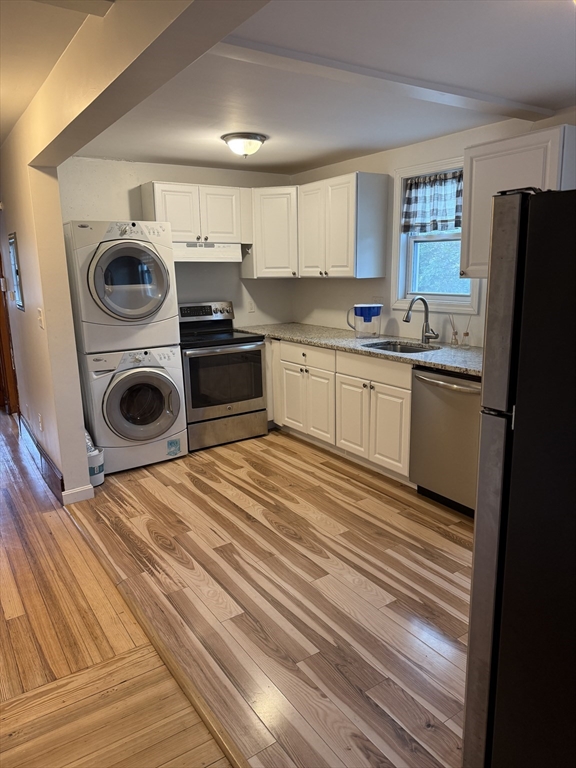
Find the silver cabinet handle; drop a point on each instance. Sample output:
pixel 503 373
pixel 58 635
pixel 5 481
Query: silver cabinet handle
pixel 472 390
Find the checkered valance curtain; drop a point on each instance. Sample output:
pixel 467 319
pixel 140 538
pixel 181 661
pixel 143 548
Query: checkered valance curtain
pixel 433 202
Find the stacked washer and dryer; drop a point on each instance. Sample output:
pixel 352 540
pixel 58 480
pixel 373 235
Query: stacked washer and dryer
pixel 126 319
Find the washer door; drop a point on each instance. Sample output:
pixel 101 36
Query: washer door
pixel 128 280
pixel 141 404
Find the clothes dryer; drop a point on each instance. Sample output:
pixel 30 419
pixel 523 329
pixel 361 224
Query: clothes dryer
pixel 122 284
pixel 134 405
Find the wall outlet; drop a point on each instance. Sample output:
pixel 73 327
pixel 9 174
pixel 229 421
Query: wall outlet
pixel 40 423
pixel 251 306
pixel 40 318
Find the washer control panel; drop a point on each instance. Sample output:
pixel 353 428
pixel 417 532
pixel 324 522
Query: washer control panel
pixel 214 310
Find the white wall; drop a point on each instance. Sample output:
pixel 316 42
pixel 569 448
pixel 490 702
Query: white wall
pixel 324 303
pixel 110 189
pixel 96 189
pixel 92 85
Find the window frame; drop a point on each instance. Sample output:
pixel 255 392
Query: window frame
pixel 15 269
pixel 402 256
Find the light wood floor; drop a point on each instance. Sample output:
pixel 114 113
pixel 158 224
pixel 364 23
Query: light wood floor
pixel 320 609
pixel 80 683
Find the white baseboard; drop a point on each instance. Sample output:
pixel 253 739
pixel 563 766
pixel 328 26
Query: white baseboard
pixel 77 494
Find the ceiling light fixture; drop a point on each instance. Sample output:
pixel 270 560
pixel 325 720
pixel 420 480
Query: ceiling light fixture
pixel 244 143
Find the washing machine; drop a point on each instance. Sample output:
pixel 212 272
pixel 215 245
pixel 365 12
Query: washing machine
pixel 122 284
pixel 134 405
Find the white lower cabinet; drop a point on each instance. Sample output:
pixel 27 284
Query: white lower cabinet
pixel 293 412
pixel 352 414
pixel 358 403
pixel 373 417
pixel 390 427
pixel 320 404
pixel 307 398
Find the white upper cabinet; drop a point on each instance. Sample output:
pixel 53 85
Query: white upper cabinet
pixel 543 159
pixel 195 213
pixel 312 229
pixel 275 248
pixel 341 226
pixel 220 214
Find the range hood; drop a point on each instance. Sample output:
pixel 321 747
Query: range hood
pixel 207 252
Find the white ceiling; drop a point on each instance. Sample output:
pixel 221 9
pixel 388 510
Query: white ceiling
pixel 330 80
pixel 326 80
pixel 32 38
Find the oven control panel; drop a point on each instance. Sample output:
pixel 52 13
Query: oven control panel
pixel 214 310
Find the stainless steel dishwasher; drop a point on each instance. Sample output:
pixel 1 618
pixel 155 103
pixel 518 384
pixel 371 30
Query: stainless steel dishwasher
pixel 444 436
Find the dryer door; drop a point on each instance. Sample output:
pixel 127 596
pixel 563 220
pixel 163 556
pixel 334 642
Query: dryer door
pixel 141 404
pixel 128 280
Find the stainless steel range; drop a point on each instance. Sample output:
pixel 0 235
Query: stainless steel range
pixel 224 376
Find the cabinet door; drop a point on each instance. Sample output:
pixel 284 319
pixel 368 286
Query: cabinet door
pixel 390 427
pixel 275 232
pixel 179 204
pixel 352 414
pixel 293 396
pixel 312 229
pixel 220 214
pixel 532 160
pixel 341 226
pixel 320 405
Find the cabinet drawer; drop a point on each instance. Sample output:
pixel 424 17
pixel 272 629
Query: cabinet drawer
pixel 382 371
pixel 304 354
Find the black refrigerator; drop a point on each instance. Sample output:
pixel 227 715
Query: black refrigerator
pixel 520 687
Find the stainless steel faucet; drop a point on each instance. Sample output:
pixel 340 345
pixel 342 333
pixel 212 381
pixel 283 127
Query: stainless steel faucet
pixel 427 332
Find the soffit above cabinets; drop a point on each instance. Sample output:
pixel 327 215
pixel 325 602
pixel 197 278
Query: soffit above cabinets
pixel 329 81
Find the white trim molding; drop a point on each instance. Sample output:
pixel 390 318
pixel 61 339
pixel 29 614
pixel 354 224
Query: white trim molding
pixel 398 275
pixel 77 494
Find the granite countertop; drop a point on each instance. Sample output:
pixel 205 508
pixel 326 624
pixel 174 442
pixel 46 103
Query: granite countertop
pixel 446 358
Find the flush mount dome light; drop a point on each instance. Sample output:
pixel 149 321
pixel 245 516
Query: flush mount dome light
pixel 244 143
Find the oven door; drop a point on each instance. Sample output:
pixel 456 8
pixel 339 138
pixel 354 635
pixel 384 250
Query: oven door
pixel 223 381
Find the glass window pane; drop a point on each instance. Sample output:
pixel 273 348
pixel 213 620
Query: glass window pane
pixel 436 268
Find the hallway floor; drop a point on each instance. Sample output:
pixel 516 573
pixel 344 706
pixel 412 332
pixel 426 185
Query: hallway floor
pixel 80 683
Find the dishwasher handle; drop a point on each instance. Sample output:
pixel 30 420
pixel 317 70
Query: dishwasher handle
pixel 471 390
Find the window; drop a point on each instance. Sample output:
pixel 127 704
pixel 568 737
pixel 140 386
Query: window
pixel 428 216
pixel 15 265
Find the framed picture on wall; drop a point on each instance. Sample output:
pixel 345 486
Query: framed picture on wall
pixel 15 264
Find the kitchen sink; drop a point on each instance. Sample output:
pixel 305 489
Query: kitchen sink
pixel 405 347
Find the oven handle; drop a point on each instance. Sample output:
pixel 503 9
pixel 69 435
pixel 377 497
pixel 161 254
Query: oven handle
pixel 207 351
